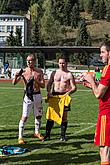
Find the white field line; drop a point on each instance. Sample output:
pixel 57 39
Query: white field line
pixel 84 129
pixel 14 105
pixel 70 124
pixel 10 88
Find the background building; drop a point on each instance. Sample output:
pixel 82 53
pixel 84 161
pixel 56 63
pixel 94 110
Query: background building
pixel 10 23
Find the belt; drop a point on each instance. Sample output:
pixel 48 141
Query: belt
pixel 58 93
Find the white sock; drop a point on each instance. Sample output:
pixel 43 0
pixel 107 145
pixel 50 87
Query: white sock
pixel 21 128
pixel 37 125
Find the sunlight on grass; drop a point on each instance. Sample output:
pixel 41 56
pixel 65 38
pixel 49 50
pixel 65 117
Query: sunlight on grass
pixel 78 150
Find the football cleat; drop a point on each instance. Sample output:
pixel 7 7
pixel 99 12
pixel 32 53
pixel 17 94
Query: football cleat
pixel 39 136
pixel 63 138
pixel 21 141
pixel 46 137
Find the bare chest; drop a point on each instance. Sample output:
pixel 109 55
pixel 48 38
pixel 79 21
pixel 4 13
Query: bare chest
pixel 61 77
pixel 29 74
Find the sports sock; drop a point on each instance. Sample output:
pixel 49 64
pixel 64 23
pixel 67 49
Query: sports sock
pixel 21 128
pixel 37 125
pixel 63 129
pixel 49 126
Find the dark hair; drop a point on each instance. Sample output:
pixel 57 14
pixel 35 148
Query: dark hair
pixel 106 44
pixel 63 57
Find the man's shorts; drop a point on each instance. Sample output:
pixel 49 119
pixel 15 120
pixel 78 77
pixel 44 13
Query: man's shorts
pixel 66 108
pixel 28 105
pixel 102 134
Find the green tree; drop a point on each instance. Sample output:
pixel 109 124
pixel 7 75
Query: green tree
pixel 83 39
pixel 10 41
pixel 35 11
pixel 106 37
pixel 18 37
pixel 99 10
pixel 75 16
pixel 95 11
pixel 108 13
pixel 67 13
pixel 15 5
pixel 36 34
pixel 102 9
pixel 81 5
pixel 4 6
pixel 58 10
pixel 88 5
pixel 51 29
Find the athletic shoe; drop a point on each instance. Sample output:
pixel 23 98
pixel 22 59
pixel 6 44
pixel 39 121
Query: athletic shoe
pixel 63 138
pixel 46 137
pixel 39 136
pixel 21 141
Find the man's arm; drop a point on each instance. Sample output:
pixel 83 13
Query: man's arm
pixel 16 79
pixel 49 84
pixel 98 90
pixel 41 82
pixel 72 85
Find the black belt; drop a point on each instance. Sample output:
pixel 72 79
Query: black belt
pixel 58 93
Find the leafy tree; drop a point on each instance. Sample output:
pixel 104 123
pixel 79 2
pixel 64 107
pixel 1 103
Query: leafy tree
pixel 95 11
pixel 15 5
pixel 34 11
pixel 102 9
pixel 18 37
pixel 106 37
pixel 88 5
pixel 99 10
pixel 3 6
pixel 83 39
pixel 10 41
pixel 67 13
pixel 58 10
pixel 108 13
pixel 81 5
pixel 51 29
pixel 75 16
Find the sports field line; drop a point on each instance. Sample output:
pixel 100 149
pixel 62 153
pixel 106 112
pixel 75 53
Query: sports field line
pixel 17 88
pixel 31 125
pixel 14 105
pixel 85 129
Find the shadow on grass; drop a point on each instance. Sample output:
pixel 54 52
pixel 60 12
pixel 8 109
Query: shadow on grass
pixel 54 152
pixel 54 158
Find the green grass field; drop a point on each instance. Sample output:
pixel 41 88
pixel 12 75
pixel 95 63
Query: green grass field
pixel 78 150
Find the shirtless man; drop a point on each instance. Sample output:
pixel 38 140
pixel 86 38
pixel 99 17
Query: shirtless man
pixel 61 82
pixel 33 80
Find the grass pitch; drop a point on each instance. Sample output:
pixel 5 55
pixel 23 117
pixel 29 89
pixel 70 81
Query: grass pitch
pixel 78 150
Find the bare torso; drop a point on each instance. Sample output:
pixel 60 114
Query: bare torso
pixel 62 81
pixel 36 73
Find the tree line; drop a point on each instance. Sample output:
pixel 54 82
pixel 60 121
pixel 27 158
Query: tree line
pixel 53 19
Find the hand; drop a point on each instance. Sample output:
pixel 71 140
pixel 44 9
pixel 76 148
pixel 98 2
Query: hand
pixel 87 84
pixel 49 94
pixel 90 78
